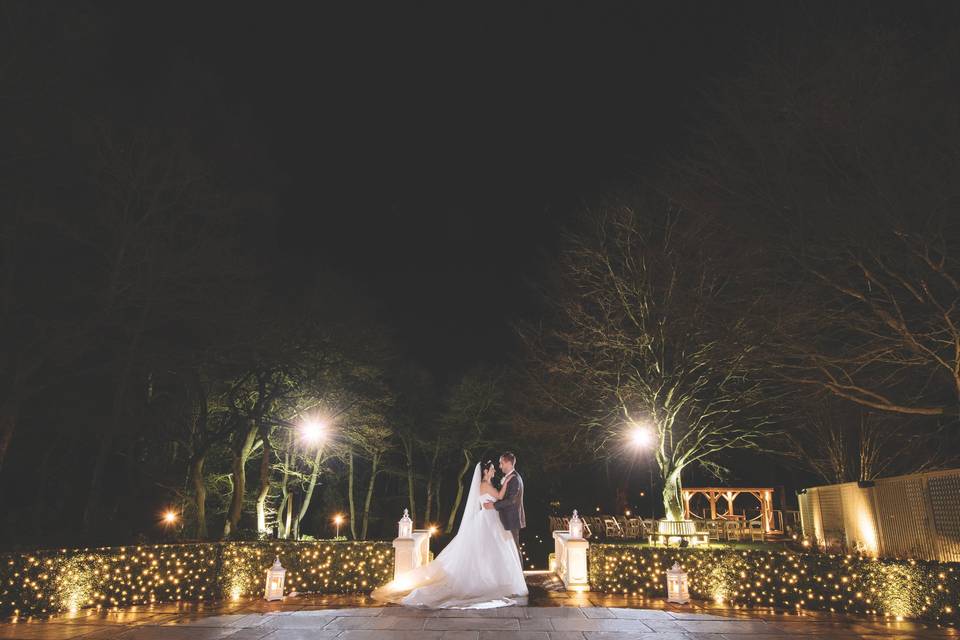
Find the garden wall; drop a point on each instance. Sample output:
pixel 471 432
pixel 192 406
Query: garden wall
pixel 904 589
pixel 51 581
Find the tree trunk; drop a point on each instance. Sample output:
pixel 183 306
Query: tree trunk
pixel 283 530
pixel 314 472
pixel 430 481
pixel 264 489
pixel 289 518
pixel 411 491
pixel 39 500
pixel 366 503
pixel 116 418
pixel 241 452
pixel 672 502
pixel 199 494
pixel 459 498
pixel 353 510
pixel 8 424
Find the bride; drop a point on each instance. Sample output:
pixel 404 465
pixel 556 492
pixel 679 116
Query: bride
pixel 480 567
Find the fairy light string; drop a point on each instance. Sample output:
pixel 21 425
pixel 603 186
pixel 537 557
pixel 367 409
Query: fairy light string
pixel 53 581
pixel 784 580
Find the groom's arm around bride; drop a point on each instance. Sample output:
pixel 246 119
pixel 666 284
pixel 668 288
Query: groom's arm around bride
pixel 510 507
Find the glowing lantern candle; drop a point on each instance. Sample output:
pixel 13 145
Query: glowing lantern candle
pixel 677 589
pixel 275 577
pixel 405 526
pixel 576 526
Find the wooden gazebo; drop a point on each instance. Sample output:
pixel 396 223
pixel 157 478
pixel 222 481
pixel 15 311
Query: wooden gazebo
pixel 763 494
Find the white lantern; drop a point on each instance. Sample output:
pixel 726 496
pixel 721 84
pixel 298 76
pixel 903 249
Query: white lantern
pixel 275 576
pixel 406 526
pixel 677 589
pixel 576 526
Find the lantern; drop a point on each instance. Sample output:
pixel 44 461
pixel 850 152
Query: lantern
pixel 406 526
pixel 275 575
pixel 677 590
pixel 576 526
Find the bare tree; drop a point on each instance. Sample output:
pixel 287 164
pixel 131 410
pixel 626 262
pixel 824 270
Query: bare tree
pixel 894 306
pixel 650 324
pixel 843 442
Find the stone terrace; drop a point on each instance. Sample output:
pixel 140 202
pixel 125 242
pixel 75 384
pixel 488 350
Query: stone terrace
pixel 544 616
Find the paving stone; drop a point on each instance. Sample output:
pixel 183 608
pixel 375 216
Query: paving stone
pixel 473 624
pixel 294 634
pixel 379 622
pixel 297 622
pixel 376 634
pixel 598 612
pixel 176 633
pixel 555 612
pixel 629 635
pixel 640 614
pixel 461 635
pixel 536 624
pixel 727 626
pixel 514 635
pixel 584 624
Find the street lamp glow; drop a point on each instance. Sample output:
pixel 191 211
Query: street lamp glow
pixel 641 436
pixel 313 431
pixel 338 520
pixel 170 517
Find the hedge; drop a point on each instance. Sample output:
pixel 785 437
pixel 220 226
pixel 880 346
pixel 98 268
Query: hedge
pixel 780 579
pixel 51 581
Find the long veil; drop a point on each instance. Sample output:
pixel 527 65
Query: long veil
pixel 478 569
pixel 472 508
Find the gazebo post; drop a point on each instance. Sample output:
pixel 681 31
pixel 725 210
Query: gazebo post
pixel 712 497
pixel 686 504
pixel 730 496
pixel 767 504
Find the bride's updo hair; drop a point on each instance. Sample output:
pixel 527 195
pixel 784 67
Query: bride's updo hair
pixel 486 466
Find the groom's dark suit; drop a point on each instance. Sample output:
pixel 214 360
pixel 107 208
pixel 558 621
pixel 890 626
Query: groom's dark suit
pixel 511 509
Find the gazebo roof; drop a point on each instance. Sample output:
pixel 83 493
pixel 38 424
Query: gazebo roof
pixel 697 489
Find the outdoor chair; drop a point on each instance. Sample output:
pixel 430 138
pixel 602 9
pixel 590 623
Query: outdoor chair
pixel 713 530
pixel 756 531
pixel 598 526
pixel 633 528
pixel 731 529
pixel 612 528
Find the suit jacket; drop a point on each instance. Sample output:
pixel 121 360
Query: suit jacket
pixel 511 507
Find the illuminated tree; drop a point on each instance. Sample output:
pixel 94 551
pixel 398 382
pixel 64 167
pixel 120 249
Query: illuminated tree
pixel 649 323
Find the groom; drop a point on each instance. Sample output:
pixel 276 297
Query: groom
pixel 511 507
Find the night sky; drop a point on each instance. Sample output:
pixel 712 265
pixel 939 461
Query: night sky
pixel 432 153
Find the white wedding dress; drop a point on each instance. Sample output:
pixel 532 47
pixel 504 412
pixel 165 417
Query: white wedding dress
pixel 479 569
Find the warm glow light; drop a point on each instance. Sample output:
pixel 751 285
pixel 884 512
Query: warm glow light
pixel 338 519
pixel 433 529
pixel 313 431
pixel 170 517
pixel 641 436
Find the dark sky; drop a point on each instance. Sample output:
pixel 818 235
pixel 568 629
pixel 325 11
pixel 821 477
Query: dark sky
pixel 431 152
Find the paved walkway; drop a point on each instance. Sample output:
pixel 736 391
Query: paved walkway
pixel 549 613
pixel 562 617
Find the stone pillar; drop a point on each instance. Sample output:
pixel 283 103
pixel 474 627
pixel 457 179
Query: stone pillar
pixel 410 553
pixel 570 556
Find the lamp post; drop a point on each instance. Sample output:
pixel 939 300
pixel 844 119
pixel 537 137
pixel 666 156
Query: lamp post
pixel 337 521
pixel 642 437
